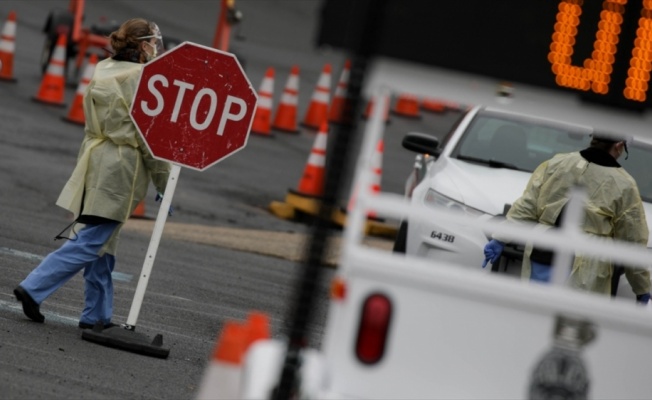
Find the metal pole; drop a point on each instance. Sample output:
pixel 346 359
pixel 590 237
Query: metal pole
pixel 363 46
pixel 153 247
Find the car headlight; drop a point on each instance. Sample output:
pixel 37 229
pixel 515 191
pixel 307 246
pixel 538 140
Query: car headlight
pixel 435 199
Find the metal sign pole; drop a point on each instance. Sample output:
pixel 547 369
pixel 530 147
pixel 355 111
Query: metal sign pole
pixel 153 247
pixel 305 295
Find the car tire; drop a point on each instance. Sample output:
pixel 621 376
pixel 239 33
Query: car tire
pixel 400 243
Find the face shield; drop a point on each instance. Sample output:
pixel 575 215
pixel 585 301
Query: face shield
pixel 155 40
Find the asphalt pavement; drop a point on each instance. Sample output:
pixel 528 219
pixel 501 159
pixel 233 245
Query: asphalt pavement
pixel 222 253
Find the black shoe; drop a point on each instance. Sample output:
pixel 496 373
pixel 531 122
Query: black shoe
pixel 83 325
pixel 30 308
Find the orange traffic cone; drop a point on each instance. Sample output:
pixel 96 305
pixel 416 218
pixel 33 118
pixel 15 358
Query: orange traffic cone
pixel 222 377
pixel 434 105
pixel 53 84
pixel 336 113
pixel 263 117
pixel 312 180
pixel 407 105
pixel 258 324
pixel 369 109
pixel 76 113
pixel 7 48
pixel 318 108
pixel 139 211
pixel 286 115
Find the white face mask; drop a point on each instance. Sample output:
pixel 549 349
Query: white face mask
pixel 157 47
pixel 149 57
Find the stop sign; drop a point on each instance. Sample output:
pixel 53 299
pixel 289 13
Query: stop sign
pixel 194 106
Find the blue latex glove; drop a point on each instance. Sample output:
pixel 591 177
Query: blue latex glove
pixel 643 298
pixel 492 251
pixel 159 197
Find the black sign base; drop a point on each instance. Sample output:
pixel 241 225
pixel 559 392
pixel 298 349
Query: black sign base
pixel 121 338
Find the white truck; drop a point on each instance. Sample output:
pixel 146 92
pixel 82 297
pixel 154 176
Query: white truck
pixel 401 326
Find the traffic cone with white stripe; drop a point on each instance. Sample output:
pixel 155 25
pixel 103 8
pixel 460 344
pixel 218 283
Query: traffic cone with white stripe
pixel 318 108
pixel 286 115
pixel 7 48
pixel 223 374
pixel 52 87
pixel 262 124
pixel 305 200
pixel 312 180
pixel 337 114
pixel 76 113
pixel 222 377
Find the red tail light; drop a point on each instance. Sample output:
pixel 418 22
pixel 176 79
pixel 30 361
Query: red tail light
pixel 338 289
pixel 374 326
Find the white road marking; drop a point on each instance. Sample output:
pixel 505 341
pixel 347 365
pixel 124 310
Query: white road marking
pixel 118 276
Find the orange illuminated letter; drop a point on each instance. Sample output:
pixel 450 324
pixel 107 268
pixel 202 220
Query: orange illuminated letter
pixel 595 74
pixel 638 74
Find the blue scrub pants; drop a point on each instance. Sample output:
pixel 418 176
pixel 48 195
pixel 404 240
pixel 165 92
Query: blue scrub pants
pixel 540 272
pixel 62 264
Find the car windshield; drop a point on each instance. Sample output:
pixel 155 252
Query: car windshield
pixel 501 140
pixel 512 141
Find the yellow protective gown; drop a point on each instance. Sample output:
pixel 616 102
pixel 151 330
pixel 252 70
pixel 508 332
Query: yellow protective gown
pixel 614 210
pixel 114 166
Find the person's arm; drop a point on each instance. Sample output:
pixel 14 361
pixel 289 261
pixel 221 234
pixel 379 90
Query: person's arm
pixel 631 226
pixel 158 170
pixel 523 209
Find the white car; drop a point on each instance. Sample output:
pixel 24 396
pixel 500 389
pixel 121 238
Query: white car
pixel 480 167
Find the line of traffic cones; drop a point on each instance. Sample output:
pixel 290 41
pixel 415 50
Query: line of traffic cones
pixel 318 111
pixel 52 88
pixel 8 48
pixel 76 112
pixel 222 376
pixel 321 108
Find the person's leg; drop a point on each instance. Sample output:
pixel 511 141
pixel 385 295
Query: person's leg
pixel 59 266
pixel 540 272
pixel 98 291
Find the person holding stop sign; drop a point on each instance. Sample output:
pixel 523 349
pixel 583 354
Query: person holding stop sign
pixel 113 171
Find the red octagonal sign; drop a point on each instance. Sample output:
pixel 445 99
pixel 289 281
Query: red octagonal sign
pixel 194 106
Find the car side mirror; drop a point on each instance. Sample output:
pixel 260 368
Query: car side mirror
pixel 421 143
